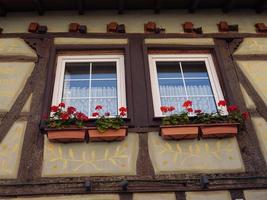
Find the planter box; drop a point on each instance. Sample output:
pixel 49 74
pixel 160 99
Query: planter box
pixel 219 130
pixel 66 135
pixel 108 136
pixel 178 132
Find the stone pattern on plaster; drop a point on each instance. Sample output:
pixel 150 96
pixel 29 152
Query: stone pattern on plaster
pixel 252 46
pixel 15 47
pixel 181 41
pixel 256 72
pixel 92 41
pixel 96 159
pixel 10 150
pixel 260 126
pixel 154 196
pixel 255 194
pixel 13 76
pixel 217 195
pixel 194 156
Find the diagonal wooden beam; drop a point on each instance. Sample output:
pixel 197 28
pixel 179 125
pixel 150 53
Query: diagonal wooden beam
pixel 3 10
pixel 81 7
pixel 157 6
pixel 120 7
pixel 193 6
pixel 39 6
pixel 229 5
pixel 261 6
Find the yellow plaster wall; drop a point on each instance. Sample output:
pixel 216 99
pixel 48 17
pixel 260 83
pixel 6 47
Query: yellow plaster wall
pixel 134 20
pixel 216 195
pixel 62 40
pixel 252 46
pixel 255 194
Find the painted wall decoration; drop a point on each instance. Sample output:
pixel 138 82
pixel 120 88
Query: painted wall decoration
pixel 11 147
pixel 13 76
pixel 194 156
pixel 99 159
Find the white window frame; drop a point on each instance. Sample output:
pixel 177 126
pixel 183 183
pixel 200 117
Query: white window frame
pixel 207 58
pixel 60 72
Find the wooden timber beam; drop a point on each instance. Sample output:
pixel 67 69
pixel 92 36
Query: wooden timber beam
pixel 3 10
pixel 229 5
pixel 120 7
pixel 261 6
pixel 157 6
pixel 81 7
pixel 193 6
pixel 39 6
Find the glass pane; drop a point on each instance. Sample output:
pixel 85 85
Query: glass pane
pixel 206 104
pixel 77 70
pixel 109 105
pixel 171 87
pixel 198 87
pixel 102 70
pixel 168 70
pixel 75 89
pixel 82 105
pixel 173 101
pixel 194 69
pixel 100 88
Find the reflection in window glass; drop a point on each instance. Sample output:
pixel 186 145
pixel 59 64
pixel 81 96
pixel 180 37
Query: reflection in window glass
pixel 89 84
pixel 180 81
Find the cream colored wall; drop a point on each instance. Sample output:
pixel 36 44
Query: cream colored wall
pixel 134 20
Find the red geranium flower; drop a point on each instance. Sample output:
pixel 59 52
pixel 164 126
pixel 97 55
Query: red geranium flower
pixel 245 115
pixel 95 114
pixel 64 116
pixel 107 114
pixel 62 104
pixel 54 108
pixel 164 109
pixel 222 103
pixel 232 108
pixel 71 110
pixel 198 111
pixel 187 104
pixel 171 108
pixel 189 110
pixel 81 116
pixel 122 114
pixel 98 107
pixel 123 109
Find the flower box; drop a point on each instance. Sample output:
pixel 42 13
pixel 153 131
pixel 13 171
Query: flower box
pixel 107 136
pixel 178 132
pixel 66 135
pixel 220 130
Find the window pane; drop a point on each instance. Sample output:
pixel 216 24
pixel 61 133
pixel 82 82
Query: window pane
pixel 173 101
pixel 77 70
pixel 168 70
pixel 206 104
pixel 76 89
pixel 194 69
pixel 198 87
pixel 103 88
pixel 82 105
pixel 109 105
pixel 103 70
pixel 173 87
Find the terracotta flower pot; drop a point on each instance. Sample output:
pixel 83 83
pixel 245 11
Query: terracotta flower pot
pixel 108 136
pixel 219 130
pixel 66 136
pixel 178 132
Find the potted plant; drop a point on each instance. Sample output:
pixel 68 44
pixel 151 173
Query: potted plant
pixel 65 124
pixel 178 126
pixel 108 128
pixel 220 125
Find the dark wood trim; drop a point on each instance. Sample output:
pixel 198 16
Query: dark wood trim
pixel 250 57
pixel 121 5
pixel 258 101
pixel 229 6
pixel 248 143
pixel 157 6
pixel 17 59
pixel 32 151
pixel 81 7
pixel 261 6
pixel 237 194
pixel 38 4
pixel 126 196
pixel 180 196
pixel 3 10
pixel 193 6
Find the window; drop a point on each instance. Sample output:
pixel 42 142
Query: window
pixel 87 81
pixel 176 78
